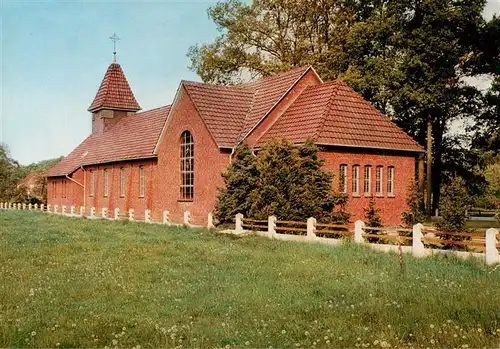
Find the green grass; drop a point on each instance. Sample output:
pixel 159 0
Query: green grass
pixel 80 283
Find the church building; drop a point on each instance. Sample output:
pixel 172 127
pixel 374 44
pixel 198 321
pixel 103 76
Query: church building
pixel 171 158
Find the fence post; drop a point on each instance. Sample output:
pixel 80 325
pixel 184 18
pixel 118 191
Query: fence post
pixel 271 225
pixel 418 248
pixel 1 204
pixel 72 210
pixel 104 212
pixel 56 208
pixel 63 209
pixel 35 207
pixel 117 213
pixel 187 218
pixel 147 216
pixel 358 231
pixel 131 214
pixel 492 255
pixel 311 227
pixel 24 206
pixel 18 206
pixel 82 211
pixel 210 221
pixel 166 217
pixel 42 207
pixel 92 212
pixel 30 206
pixel 239 223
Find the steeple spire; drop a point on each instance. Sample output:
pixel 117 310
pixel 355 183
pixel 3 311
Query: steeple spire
pixel 115 92
pixel 114 38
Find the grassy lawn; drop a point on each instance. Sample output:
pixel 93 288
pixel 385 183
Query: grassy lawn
pixel 79 283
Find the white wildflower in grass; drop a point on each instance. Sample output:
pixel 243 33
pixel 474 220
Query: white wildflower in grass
pixel 306 333
pixel 283 331
pixel 431 326
pixel 33 334
pixel 247 343
pixel 479 330
pixel 433 341
pixel 114 342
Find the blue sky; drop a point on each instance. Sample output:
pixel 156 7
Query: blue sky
pixel 55 53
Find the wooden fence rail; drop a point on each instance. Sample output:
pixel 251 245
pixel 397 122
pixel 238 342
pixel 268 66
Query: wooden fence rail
pixel 307 231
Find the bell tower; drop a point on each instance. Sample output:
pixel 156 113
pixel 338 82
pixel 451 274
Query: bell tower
pixel 114 99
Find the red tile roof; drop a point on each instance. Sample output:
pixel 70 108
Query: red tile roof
pixel 334 114
pixel 114 92
pixel 230 112
pixel 222 108
pixel 330 113
pixel 132 137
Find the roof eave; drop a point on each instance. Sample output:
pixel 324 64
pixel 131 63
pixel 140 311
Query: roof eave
pixel 152 156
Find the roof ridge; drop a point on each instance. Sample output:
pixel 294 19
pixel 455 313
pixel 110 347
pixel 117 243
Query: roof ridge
pixel 278 101
pixel 239 138
pixel 156 108
pixel 333 94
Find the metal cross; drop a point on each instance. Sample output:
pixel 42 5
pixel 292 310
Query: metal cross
pixel 114 38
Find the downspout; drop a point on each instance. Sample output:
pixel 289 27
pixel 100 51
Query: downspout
pixel 231 155
pixel 80 184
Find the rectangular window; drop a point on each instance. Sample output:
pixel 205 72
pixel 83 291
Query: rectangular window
pixel 92 183
pixel 141 181
pixel 378 180
pixel 390 180
pixel 367 187
pixel 355 180
pixel 106 182
pixel 343 178
pixel 122 182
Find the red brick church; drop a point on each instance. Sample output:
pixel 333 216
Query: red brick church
pixel 171 158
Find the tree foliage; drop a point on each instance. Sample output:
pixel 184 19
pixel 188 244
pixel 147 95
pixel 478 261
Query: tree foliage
pixel 239 181
pixel 372 214
pixel 455 202
pixel 416 209
pixel 283 180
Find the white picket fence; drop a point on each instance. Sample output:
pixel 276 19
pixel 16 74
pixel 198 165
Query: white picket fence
pixel 419 236
pixel 309 231
pixel 105 214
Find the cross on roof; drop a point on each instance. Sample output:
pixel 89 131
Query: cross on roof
pixel 114 38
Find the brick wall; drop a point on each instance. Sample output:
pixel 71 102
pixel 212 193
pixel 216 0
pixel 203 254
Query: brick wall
pixel 390 206
pixel 209 163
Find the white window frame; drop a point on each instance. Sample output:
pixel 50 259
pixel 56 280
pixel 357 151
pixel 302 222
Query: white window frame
pixel 187 166
pixel 355 180
pixel 106 182
pixel 379 175
pixel 367 180
pixel 343 178
pixel 141 181
pixel 122 182
pixel 390 180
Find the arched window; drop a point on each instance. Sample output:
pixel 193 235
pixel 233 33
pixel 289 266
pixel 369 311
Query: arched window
pixel 378 180
pixel 343 178
pixel 390 181
pixel 92 183
pixel 355 180
pixel 367 184
pixel 187 166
